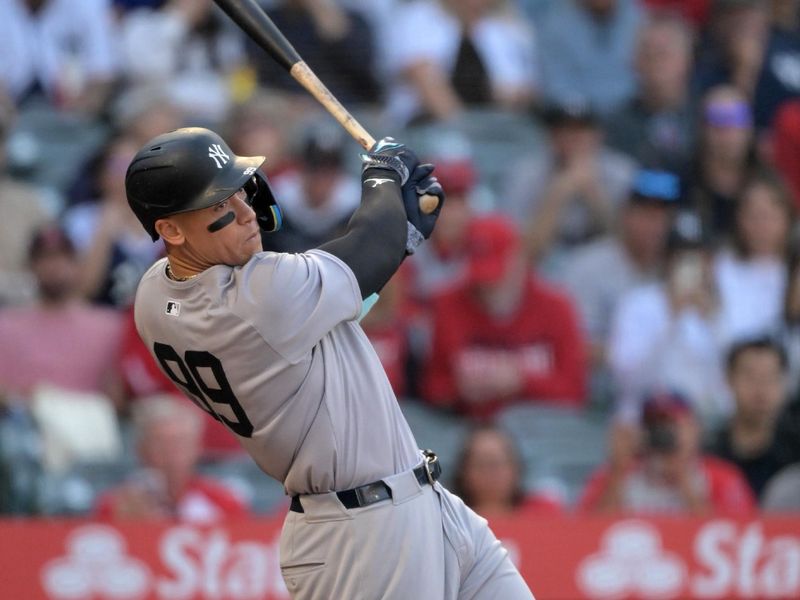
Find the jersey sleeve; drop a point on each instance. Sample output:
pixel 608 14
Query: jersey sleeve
pixel 294 300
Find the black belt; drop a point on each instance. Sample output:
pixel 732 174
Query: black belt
pixel 364 495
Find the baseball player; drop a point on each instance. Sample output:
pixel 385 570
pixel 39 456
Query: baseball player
pixel 269 344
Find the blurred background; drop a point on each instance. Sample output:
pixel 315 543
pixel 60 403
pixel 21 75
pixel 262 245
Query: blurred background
pixel 606 320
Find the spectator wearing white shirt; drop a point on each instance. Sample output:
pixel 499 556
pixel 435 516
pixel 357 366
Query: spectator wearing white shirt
pixel 752 273
pixel 671 334
pixel 450 54
pixel 61 48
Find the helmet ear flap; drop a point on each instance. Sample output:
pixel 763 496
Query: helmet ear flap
pixel 268 212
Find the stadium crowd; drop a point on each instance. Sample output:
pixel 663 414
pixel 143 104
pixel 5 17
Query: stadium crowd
pixel 607 317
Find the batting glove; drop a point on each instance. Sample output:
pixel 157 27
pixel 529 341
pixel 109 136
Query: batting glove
pixel 389 154
pixel 420 225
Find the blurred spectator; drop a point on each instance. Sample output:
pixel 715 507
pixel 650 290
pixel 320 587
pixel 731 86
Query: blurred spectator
pixel 725 159
pixel 789 329
pixel 168 432
pixel 142 114
pixel 786 146
pixel 386 326
pixel 669 475
pixel 61 340
pixel 489 477
pixel 141 377
pixel 751 275
pixel 570 193
pixel 187 49
pixel 318 199
pixel 114 249
pixel 743 51
pixel 62 50
pixel 448 55
pixel 669 334
pixel 262 126
pixel 757 376
pixel 24 210
pixel 696 12
pixel 503 335
pixel 598 274
pixel 657 127
pixel 442 262
pixel 588 47
pixel 337 43
pixel 782 493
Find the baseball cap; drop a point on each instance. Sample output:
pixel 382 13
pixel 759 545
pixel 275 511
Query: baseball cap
pixel 651 185
pixel 49 239
pixel 492 243
pixel 457 176
pixel 577 111
pixel 663 406
pixel 323 146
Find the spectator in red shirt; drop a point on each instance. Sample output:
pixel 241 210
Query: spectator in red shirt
pixel 669 475
pixel 168 435
pixel 503 335
pixel 489 477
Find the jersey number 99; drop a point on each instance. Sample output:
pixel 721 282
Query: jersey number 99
pixel 198 390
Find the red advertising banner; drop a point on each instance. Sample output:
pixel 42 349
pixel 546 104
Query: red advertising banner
pixel 561 558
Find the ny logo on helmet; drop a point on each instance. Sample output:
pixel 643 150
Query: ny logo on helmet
pixel 216 152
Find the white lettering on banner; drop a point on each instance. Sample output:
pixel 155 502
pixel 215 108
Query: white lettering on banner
pixel 746 565
pixel 198 564
pixel 211 566
pixel 632 561
pixel 95 566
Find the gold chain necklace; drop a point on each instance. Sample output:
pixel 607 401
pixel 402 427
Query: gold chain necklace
pixel 174 277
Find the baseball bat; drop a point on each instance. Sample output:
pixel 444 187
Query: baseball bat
pixel 252 19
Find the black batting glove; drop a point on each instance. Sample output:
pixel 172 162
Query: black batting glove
pixel 420 225
pixel 389 154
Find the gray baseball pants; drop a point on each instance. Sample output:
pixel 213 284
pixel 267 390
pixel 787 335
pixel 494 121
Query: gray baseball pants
pixel 424 543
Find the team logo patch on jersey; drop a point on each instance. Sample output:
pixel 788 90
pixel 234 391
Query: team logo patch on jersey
pixel 173 308
pixel 377 181
pixel 219 155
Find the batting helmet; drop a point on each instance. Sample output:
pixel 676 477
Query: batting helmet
pixel 192 168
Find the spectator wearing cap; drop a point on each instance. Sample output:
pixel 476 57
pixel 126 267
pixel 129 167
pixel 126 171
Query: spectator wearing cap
pixel 568 194
pixel 751 439
pixel 446 56
pixel 503 335
pixel 725 158
pixel 598 274
pixel 745 51
pixel 60 341
pixel 589 47
pixel 319 197
pixel 670 333
pixel 666 471
pixel 657 127
pixel 442 262
pixel 751 271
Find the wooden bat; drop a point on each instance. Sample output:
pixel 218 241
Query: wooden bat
pixel 252 19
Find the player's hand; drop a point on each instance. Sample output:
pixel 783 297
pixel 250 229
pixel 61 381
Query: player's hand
pixel 420 183
pixel 391 155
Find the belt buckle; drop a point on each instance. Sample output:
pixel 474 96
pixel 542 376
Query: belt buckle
pixel 430 460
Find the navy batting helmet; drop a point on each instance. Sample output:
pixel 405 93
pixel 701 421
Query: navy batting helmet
pixel 192 168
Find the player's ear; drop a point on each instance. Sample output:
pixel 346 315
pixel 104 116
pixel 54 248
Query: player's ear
pixel 170 231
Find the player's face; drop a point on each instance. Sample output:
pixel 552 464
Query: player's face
pixel 226 233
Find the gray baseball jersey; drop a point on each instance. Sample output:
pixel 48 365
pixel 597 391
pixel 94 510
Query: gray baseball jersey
pixel 273 349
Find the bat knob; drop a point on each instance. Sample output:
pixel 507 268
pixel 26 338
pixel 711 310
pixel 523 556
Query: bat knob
pixel 428 203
